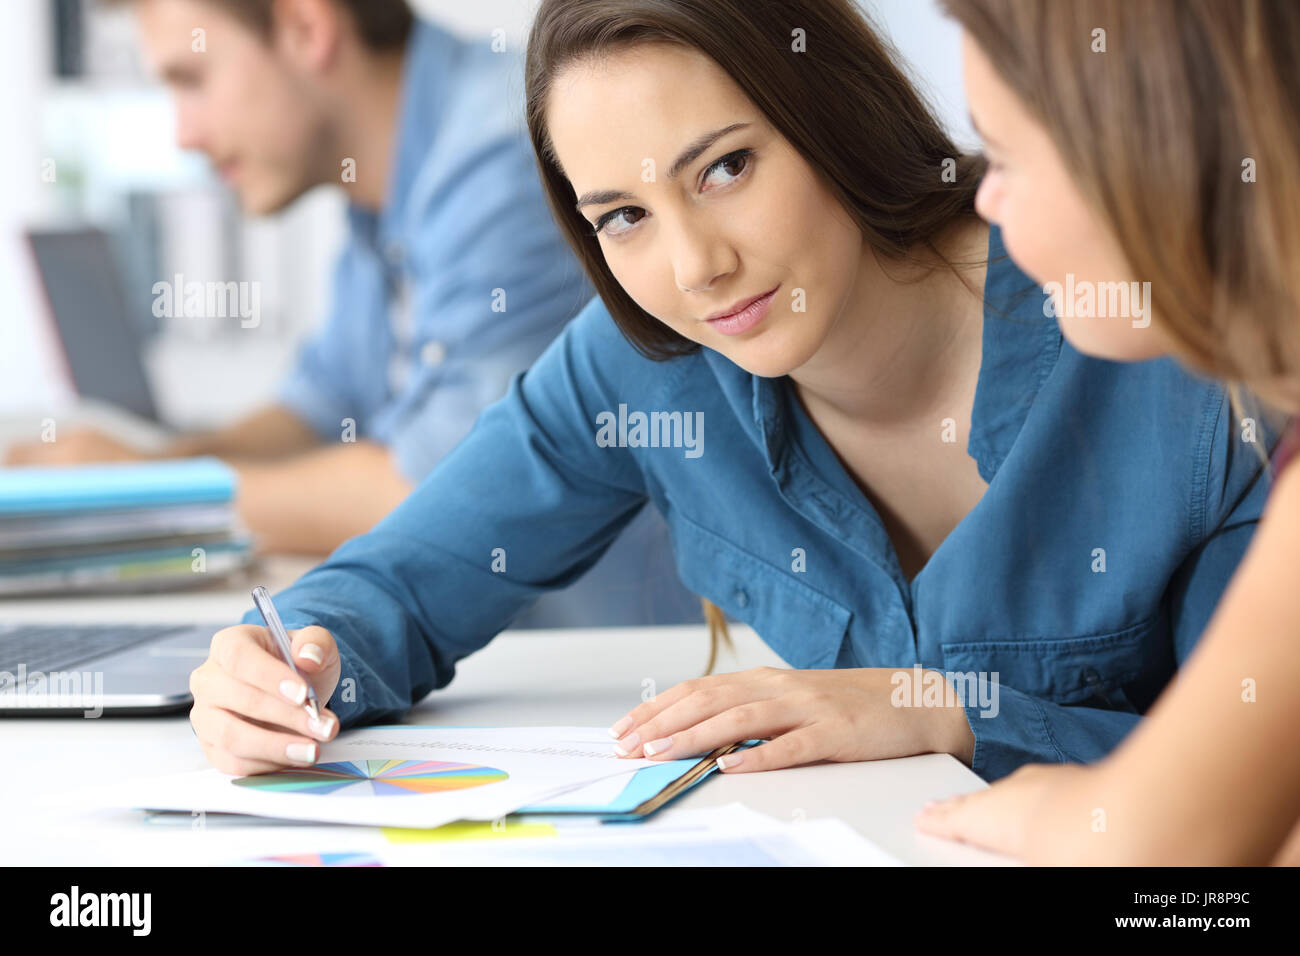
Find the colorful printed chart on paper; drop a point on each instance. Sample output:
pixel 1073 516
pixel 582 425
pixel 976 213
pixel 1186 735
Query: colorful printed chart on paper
pixel 380 778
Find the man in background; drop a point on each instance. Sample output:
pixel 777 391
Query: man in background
pixel 452 279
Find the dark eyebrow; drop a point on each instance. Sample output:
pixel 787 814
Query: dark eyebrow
pixel 175 73
pixel 601 196
pixel 697 148
pixel 691 153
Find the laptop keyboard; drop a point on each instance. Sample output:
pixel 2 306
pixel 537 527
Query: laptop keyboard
pixel 61 647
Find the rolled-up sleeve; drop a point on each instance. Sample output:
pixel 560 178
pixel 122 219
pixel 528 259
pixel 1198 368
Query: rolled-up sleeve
pixel 1027 729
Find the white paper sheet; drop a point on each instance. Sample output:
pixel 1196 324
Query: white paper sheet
pixel 540 762
pixel 732 835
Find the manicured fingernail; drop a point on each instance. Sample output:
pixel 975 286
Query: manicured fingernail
pixel 620 728
pixel 296 691
pixel 301 753
pixel 658 746
pixel 731 760
pixel 627 744
pixel 312 652
pixel 321 726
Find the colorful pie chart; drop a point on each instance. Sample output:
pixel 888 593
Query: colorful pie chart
pixel 377 778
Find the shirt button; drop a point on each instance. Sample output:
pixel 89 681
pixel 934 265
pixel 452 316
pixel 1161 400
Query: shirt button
pixel 433 353
pixel 1091 676
pixel 393 253
pixel 741 597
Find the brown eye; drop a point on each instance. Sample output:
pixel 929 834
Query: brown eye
pixel 618 221
pixel 728 169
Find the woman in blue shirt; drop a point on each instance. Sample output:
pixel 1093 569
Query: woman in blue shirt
pixel 966 536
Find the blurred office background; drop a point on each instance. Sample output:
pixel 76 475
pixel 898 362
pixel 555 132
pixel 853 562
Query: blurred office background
pixel 88 140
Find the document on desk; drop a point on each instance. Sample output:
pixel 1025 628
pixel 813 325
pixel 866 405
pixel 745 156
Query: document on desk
pixel 733 835
pixel 394 776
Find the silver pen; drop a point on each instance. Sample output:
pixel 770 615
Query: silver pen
pixel 262 598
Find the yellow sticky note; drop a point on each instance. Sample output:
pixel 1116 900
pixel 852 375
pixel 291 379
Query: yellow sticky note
pixel 469 830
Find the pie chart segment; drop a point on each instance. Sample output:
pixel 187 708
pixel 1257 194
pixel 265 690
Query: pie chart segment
pixel 381 778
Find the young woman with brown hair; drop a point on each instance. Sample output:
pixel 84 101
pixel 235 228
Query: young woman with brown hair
pixel 1167 155
pixel 786 251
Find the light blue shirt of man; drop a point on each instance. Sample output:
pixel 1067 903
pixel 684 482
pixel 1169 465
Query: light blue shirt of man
pixel 456 285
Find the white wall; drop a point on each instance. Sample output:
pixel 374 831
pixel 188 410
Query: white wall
pixel 931 45
pixel 928 40
pixel 27 359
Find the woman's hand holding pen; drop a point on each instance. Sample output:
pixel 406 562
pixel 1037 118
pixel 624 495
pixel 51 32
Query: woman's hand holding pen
pixel 804 715
pixel 248 709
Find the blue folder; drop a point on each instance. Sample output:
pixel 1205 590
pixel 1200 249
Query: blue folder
pixel 645 783
pixel 650 789
pixel 78 488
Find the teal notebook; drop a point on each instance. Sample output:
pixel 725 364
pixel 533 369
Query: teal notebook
pixel 649 790
pixel 83 488
pixel 645 783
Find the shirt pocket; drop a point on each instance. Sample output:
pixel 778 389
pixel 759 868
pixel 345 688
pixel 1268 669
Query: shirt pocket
pixel 803 626
pixel 1091 670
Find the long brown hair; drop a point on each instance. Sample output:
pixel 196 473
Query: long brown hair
pixel 846 105
pixel 825 80
pixel 1178 121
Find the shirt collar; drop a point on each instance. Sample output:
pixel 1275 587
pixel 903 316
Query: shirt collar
pixel 1021 343
pixel 754 402
pixel 1020 347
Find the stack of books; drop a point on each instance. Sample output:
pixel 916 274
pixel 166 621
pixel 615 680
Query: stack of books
pixel 136 526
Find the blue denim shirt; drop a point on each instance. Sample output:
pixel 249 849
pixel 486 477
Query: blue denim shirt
pixel 457 285
pixel 1119 502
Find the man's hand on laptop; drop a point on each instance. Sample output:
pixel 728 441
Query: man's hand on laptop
pixel 74 447
pixel 248 713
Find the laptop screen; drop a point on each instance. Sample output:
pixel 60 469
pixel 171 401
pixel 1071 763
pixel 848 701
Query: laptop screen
pixel 84 286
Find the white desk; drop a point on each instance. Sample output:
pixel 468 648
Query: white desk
pixel 523 678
